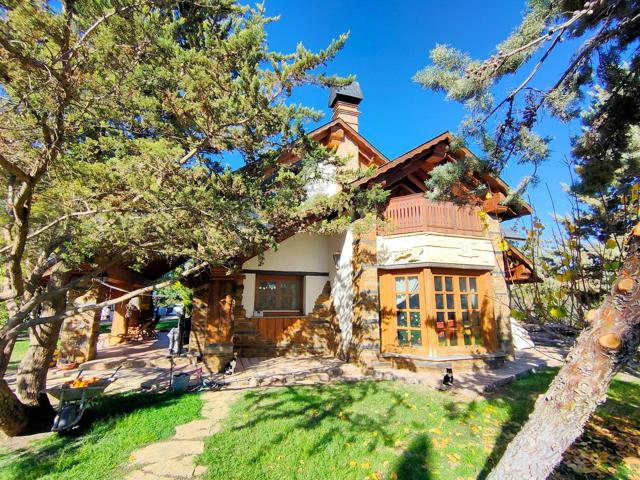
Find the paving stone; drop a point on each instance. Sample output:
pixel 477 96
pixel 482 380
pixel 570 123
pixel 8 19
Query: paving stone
pixel 140 475
pixel 172 449
pixel 179 467
pixel 194 430
pixel 200 470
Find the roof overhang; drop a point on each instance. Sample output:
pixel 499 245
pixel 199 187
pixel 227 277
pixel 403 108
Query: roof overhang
pixel 433 152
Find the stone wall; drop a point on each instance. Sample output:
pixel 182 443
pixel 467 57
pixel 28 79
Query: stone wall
pixel 365 344
pixel 501 300
pixel 79 333
pixel 317 334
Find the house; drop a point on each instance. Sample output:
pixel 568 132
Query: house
pixel 427 288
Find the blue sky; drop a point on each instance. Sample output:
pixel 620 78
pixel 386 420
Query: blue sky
pixel 389 42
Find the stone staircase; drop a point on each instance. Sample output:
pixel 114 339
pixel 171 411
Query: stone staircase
pixel 248 342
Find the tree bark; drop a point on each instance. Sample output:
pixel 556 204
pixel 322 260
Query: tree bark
pixel 32 373
pixel 581 385
pixel 13 415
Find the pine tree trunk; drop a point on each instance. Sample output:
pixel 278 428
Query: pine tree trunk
pixel 560 414
pixel 13 415
pixel 32 373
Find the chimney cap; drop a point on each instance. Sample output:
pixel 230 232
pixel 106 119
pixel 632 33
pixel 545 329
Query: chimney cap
pixel 349 93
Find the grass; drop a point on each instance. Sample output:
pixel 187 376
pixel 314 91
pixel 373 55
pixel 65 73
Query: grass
pixel 113 428
pixel 384 430
pixel 19 349
pixel 167 324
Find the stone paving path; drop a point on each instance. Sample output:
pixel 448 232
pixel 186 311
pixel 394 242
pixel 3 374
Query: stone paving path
pixel 174 458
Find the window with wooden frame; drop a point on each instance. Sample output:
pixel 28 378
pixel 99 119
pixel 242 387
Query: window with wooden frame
pixel 408 317
pixel 458 310
pixel 436 311
pixel 279 294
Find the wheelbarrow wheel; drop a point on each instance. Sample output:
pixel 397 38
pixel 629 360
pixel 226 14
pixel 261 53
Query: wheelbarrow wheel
pixel 66 419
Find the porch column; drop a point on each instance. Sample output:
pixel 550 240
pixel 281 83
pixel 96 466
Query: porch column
pixel 365 344
pixel 500 290
pixel 118 324
pixel 79 333
pixel 198 335
pixel 219 331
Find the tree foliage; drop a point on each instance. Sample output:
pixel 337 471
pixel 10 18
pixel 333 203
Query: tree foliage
pixel 605 31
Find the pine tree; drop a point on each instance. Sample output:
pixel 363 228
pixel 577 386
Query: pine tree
pixel 116 120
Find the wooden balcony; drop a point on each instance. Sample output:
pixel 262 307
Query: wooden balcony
pixel 415 213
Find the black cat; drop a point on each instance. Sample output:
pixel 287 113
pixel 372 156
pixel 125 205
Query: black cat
pixel 447 380
pixel 230 367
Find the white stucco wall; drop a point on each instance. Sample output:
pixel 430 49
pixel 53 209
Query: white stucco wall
pixel 435 249
pixel 304 252
pixel 342 284
pixel 325 183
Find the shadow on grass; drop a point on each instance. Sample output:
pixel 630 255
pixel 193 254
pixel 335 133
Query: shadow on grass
pixel 311 406
pixel 60 453
pixel 413 464
pixel 612 434
pixel 328 412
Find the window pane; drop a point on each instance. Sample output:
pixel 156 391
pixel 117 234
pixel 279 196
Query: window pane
pixel 437 283
pixel 453 338
pixel 448 284
pixel 442 339
pixel 451 319
pixel 439 301
pixel 450 301
pixel 401 319
pixel 463 284
pixel 416 338
pixel 465 319
pixel 439 320
pixel 414 319
pixel 400 284
pixel 266 295
pixel 288 295
pixel 474 301
pixel 412 284
pixel 403 337
pixel 414 300
pixel 472 284
pixel 463 302
pixel 467 336
pixel 401 302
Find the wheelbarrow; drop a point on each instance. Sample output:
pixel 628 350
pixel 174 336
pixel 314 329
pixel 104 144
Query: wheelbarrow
pixel 74 400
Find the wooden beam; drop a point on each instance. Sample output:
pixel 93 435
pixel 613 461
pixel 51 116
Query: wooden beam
pixel 421 186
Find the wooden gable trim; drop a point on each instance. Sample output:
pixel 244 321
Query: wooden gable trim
pixel 519 267
pixel 334 132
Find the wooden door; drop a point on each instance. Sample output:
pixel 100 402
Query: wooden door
pixel 404 312
pixel 462 313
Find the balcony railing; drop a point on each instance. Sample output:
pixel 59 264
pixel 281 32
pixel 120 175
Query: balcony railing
pixel 415 213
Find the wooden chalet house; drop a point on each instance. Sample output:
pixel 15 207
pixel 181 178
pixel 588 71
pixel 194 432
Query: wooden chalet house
pixel 428 289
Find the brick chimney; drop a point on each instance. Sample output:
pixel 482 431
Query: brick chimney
pixel 345 101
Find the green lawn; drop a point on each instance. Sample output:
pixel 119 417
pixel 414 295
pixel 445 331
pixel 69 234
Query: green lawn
pixel 167 324
pixel 384 430
pixel 19 349
pixel 115 427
